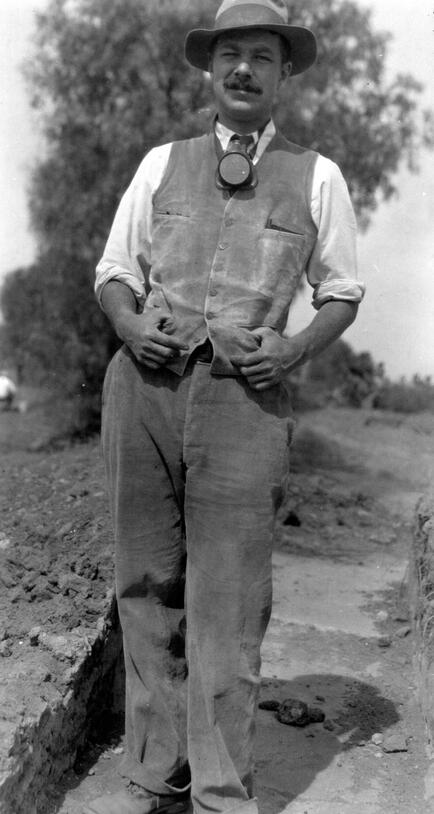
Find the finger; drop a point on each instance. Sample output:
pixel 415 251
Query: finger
pixel 167 341
pixel 260 370
pixel 263 385
pixel 261 377
pixel 249 360
pixel 161 351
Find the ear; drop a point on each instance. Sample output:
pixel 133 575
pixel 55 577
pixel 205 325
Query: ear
pixel 286 70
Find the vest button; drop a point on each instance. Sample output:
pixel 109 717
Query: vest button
pixel 229 222
pixel 213 292
pixel 223 246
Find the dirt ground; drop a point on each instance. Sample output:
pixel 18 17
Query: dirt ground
pixel 56 546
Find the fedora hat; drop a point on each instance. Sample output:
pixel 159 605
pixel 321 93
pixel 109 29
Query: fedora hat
pixel 269 15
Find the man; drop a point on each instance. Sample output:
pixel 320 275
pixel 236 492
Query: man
pixel 8 391
pixel 204 257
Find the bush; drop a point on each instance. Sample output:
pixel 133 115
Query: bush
pixel 403 397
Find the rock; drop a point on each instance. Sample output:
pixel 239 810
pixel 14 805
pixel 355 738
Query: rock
pixel 401 617
pixel 34 635
pixel 384 641
pixel 317 716
pixel 269 705
pixel 118 750
pixel 403 631
pixel 320 698
pixel 377 738
pixel 382 616
pixel 395 742
pixel 65 529
pixel 71 584
pixel 293 712
pixel 4 541
pixel 383 537
pixel 329 726
pixel 58 645
pixel 8 580
pixel 5 649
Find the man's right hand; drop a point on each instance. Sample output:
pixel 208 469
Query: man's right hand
pixel 149 337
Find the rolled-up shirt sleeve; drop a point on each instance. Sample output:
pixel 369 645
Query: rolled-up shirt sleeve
pixel 332 268
pixel 127 254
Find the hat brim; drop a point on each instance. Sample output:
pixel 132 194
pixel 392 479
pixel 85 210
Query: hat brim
pixel 301 40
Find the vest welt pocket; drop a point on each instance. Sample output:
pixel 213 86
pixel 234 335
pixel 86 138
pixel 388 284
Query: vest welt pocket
pixel 174 213
pixel 277 227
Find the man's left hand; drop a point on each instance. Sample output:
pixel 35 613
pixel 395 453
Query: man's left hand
pixel 272 361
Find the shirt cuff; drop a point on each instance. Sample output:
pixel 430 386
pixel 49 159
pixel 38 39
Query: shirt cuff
pixel 122 276
pixel 351 290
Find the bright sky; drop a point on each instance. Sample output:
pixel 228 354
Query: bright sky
pixel 396 320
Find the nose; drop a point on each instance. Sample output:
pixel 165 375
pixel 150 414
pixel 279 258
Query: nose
pixel 243 69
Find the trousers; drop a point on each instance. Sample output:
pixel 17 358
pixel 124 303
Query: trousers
pixel 196 467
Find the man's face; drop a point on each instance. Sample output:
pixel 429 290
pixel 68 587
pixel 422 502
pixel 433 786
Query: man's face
pixel 247 71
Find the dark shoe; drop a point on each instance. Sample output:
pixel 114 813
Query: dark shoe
pixel 133 800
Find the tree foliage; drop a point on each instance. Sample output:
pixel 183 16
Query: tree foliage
pixel 339 375
pixel 108 81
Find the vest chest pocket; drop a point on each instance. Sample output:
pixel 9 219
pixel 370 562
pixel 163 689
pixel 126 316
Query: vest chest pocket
pixel 280 261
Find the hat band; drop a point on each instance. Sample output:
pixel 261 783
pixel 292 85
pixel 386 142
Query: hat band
pixel 248 14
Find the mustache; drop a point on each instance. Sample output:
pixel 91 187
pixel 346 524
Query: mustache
pixel 237 84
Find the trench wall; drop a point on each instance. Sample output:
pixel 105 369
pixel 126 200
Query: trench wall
pixel 36 752
pixel 421 593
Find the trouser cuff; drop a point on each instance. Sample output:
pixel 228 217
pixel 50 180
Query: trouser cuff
pixel 139 774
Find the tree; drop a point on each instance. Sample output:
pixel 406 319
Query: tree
pixel 108 81
pixel 347 377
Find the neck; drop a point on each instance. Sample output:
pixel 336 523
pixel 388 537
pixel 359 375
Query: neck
pixel 244 128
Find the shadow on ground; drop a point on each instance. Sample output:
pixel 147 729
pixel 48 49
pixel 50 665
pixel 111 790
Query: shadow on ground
pixel 288 758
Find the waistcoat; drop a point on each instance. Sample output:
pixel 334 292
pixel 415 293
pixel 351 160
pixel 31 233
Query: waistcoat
pixel 224 262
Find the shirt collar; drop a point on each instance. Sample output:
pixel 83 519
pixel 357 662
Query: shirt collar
pixel 224 134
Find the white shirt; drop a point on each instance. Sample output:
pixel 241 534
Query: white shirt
pixel 332 268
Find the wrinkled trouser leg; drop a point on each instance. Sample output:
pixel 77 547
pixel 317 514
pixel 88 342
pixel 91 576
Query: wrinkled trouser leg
pixel 207 451
pixel 140 436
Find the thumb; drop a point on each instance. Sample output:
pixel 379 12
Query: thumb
pixel 159 316
pixel 261 332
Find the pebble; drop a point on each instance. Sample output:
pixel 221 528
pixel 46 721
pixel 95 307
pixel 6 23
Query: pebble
pixel 377 738
pixel 118 750
pixel 382 616
pixel 396 742
pixel 401 617
pixel 271 705
pixel 65 529
pixel 384 641
pixel 5 649
pixel 4 541
pixel 403 631
pixel 317 716
pixel 34 635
